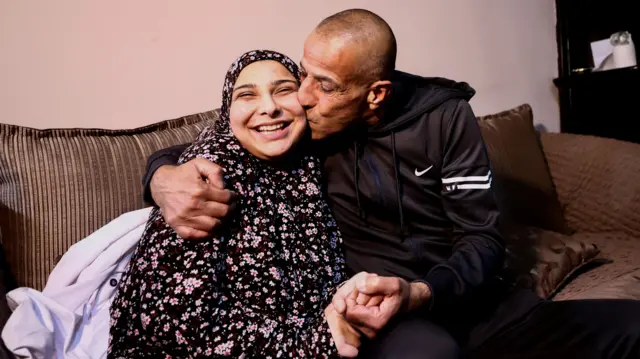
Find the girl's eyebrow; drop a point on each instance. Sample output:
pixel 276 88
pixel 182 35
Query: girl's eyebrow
pixel 282 81
pixel 244 86
pixel 273 83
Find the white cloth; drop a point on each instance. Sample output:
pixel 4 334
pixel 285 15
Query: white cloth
pixel 70 317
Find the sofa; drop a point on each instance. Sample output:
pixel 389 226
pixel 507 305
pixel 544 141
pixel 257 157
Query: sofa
pixel 570 204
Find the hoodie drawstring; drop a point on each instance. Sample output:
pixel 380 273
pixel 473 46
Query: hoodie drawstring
pixel 356 176
pixel 398 194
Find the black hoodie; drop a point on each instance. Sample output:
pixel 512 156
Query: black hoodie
pixel 412 195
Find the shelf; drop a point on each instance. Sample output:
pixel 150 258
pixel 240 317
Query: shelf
pixel 597 103
pixel 622 74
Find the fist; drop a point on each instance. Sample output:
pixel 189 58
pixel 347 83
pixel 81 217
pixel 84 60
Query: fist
pixel 368 301
pixel 192 197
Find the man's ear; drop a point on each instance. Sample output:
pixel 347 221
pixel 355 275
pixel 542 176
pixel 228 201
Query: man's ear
pixel 379 92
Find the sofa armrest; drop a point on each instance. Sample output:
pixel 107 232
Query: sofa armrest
pixel 597 180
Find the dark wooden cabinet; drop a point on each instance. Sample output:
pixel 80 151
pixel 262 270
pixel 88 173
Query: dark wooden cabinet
pixel 600 103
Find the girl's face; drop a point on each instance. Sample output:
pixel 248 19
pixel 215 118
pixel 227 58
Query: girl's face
pixel 265 115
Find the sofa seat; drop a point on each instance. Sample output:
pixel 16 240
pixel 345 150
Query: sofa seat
pixel 617 278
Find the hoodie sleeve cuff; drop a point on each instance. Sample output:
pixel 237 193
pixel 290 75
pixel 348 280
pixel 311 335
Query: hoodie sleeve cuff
pixel 427 307
pixel 151 170
pixel 441 282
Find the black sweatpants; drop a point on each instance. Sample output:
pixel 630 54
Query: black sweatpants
pixel 521 326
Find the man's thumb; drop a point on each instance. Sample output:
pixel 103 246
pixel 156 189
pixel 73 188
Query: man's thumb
pixel 211 171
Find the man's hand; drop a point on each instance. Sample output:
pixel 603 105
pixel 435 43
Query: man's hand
pixel 369 301
pixel 345 338
pixel 192 197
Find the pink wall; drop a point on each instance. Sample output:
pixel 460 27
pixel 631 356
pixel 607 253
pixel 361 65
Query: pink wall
pixel 122 64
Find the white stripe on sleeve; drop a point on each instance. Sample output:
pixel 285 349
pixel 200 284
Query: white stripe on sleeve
pixel 467 179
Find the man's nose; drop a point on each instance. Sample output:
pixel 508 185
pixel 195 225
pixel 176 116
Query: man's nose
pixel 269 107
pixel 305 96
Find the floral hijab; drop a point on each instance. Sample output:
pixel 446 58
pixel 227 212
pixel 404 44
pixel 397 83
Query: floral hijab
pixel 246 59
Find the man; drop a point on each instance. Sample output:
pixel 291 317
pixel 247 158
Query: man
pixel 409 181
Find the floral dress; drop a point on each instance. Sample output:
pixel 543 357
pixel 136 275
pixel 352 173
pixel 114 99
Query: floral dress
pixel 256 290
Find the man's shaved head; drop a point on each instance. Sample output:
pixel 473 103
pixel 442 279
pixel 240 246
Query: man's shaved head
pixel 346 71
pixel 375 44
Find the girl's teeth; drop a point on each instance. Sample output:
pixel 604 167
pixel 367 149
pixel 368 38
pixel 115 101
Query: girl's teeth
pixel 270 128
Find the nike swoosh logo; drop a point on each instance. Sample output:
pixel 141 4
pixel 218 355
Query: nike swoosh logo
pixel 420 173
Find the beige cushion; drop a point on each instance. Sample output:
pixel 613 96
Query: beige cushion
pixel 57 186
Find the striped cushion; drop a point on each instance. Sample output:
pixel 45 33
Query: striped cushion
pixel 57 186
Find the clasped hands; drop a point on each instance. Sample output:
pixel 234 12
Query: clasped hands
pixel 364 304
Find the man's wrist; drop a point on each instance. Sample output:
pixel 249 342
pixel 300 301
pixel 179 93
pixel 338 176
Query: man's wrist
pixel 419 295
pixel 157 179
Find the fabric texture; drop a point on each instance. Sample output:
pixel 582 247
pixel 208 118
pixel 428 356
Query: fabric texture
pixel 523 185
pixel 541 252
pixel 69 319
pixel 626 286
pixel 597 182
pixel 544 260
pixel 57 186
pixel 256 289
pixel 617 278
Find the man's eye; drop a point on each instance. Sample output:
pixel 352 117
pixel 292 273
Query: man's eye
pixel 326 89
pixel 245 94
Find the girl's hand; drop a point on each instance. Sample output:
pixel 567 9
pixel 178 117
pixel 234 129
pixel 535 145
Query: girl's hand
pixel 345 337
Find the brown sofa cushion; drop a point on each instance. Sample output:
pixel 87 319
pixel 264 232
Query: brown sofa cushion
pixel 626 286
pixel 619 278
pixel 522 183
pixel 541 252
pixel 57 186
pixel 597 180
pixel 544 260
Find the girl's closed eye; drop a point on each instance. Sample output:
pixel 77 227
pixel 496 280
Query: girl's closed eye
pixel 285 90
pixel 245 95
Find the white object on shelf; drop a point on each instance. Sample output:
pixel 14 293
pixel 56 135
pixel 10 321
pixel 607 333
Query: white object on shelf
pixel 624 52
pixel 601 50
pixel 616 52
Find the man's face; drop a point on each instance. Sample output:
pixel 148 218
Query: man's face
pixel 331 95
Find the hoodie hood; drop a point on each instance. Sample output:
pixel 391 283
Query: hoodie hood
pixel 413 96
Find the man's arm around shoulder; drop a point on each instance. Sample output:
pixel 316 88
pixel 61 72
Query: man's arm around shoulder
pixel 191 196
pixel 164 157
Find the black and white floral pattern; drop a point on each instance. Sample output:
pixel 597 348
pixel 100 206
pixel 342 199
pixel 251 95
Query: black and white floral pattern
pixel 259 288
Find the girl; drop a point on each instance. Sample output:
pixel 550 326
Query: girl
pixel 258 288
